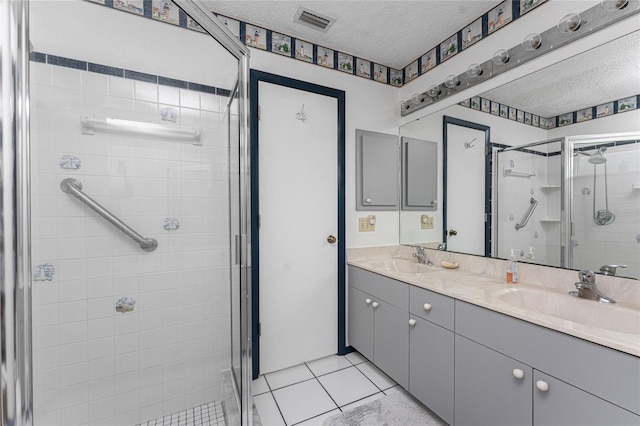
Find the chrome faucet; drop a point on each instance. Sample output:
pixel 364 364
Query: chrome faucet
pixel 587 288
pixel 610 269
pixel 421 256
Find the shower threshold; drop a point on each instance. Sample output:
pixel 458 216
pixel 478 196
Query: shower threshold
pixel 210 414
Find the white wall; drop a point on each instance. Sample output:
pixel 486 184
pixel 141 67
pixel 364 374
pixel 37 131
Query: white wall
pixel 369 106
pixel 87 31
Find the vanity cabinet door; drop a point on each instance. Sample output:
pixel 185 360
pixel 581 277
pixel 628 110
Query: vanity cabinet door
pixel 558 403
pixel 391 342
pixel 489 389
pixel 431 363
pixel 361 322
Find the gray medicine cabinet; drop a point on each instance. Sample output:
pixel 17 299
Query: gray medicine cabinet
pixel 378 173
pixel 419 174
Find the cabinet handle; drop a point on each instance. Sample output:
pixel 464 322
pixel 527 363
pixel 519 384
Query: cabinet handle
pixel 368 200
pixel 518 374
pixel 374 304
pixel 412 322
pixel 427 306
pixel 367 301
pixel 542 385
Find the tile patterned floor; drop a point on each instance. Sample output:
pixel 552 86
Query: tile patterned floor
pixel 308 393
pixel 211 414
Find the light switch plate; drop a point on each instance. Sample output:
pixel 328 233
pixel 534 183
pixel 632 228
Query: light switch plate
pixel 365 224
pixel 426 222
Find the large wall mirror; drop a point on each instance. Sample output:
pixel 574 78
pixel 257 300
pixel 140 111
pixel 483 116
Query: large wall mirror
pixel 559 182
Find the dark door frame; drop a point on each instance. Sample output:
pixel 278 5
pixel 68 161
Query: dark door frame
pixel 487 177
pixel 254 101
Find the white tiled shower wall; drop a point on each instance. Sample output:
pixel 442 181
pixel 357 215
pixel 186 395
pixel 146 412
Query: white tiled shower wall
pixel 594 246
pixel 514 195
pixel 92 364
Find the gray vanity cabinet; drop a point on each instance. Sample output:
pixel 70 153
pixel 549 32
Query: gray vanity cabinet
pixel 379 322
pixel 361 322
pixel 489 389
pixel 563 404
pixel 431 366
pixel 391 342
pixel 582 383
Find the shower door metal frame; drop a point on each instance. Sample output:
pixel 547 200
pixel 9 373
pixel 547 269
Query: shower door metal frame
pixel 206 19
pixel 16 396
pixel 16 379
pixel 570 143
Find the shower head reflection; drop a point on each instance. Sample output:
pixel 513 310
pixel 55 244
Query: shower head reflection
pixel 598 157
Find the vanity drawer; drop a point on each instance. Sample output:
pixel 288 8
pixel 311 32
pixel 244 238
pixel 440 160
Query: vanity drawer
pixel 381 287
pixel 612 375
pixel 434 307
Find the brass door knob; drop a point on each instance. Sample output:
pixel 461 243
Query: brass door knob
pixel 331 239
pixel 453 232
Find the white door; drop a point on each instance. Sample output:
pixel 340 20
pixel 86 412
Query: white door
pixel 298 184
pixel 465 196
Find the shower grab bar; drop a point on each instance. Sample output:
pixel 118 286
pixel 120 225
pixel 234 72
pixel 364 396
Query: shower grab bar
pixel 74 187
pixel 527 215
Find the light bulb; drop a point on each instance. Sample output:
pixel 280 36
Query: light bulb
pixel 613 5
pixel 501 57
pixel 474 70
pixel 452 81
pixel 433 90
pixel 569 23
pixel 417 98
pixel 532 42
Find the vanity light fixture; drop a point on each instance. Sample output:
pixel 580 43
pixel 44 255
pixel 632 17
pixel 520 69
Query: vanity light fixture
pixel 452 81
pixel 474 70
pixel 613 5
pixel 501 57
pixel 531 42
pixel 569 23
pixel 433 90
pixel 569 29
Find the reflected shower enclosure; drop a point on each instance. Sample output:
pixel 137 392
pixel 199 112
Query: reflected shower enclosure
pixel 588 188
pixel 131 205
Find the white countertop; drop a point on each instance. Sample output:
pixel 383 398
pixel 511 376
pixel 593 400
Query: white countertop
pixel 616 325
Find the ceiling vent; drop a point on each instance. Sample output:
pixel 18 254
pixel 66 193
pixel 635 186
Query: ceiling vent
pixel 313 19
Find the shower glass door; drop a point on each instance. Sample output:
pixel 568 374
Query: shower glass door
pixel 603 199
pixel 136 170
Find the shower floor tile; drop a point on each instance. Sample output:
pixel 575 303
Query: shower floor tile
pixel 210 414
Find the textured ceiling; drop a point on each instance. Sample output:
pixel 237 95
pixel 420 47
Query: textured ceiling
pixel 606 73
pixel 392 33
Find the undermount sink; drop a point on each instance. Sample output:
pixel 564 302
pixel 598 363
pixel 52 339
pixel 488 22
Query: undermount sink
pixel 401 265
pixel 616 318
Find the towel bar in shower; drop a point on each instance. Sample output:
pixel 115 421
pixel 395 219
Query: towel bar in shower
pixel 74 187
pixel 532 206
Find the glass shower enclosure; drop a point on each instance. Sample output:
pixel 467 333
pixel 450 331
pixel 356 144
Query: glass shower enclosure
pixel 125 191
pixel 571 202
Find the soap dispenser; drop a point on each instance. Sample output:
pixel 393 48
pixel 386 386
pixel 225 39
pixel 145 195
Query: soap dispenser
pixel 514 266
pixel 509 278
